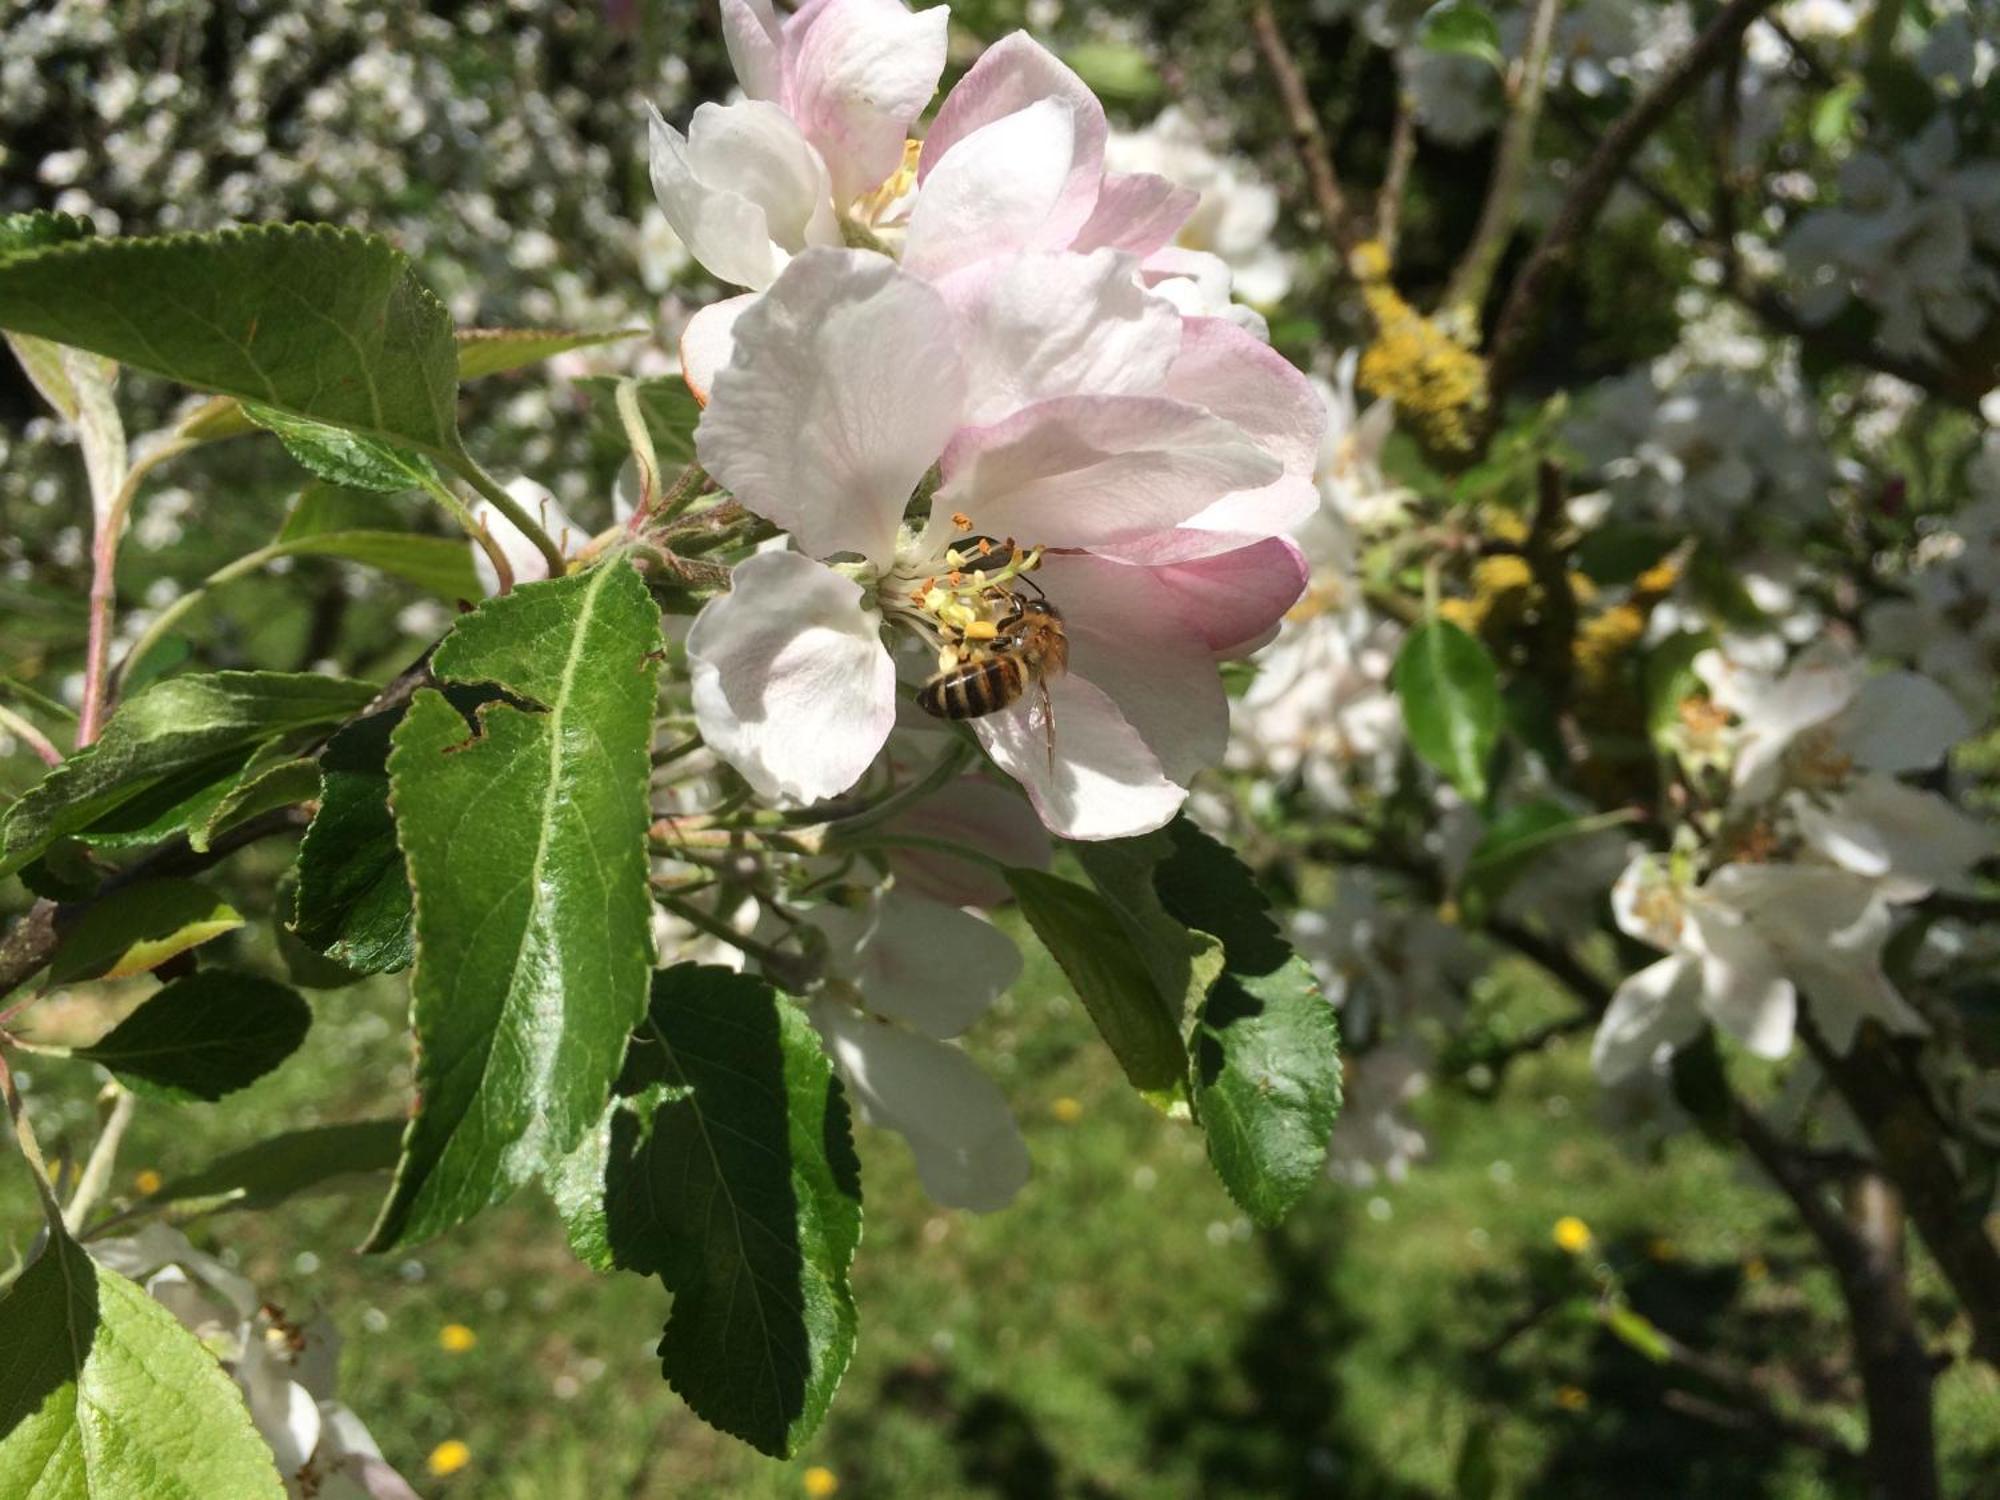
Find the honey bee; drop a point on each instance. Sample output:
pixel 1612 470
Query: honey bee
pixel 1029 648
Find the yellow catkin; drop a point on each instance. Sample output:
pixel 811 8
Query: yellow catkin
pixel 1503 593
pixel 1438 385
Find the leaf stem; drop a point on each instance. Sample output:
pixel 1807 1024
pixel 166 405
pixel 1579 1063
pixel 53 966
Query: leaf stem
pixel 103 1159
pixel 103 588
pixel 29 735
pixel 178 610
pixel 482 536
pixel 490 489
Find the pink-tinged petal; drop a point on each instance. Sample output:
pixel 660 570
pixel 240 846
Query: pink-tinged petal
pixel 1004 188
pixel 1656 1007
pixel 973 813
pixel 751 32
pixel 933 967
pixel 969 1151
pixel 1138 212
pixel 857 75
pixel 1084 471
pixel 1128 639
pixel 1238 520
pixel 1012 75
pixel 792 685
pixel 708 342
pixel 843 388
pixel 1237 597
pixel 1249 383
pixel 1054 324
pixel 1104 782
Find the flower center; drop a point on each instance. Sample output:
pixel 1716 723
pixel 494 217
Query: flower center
pixel 1816 760
pixel 956 599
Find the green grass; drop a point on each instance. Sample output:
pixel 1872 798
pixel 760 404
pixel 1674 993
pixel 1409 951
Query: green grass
pixel 1121 1331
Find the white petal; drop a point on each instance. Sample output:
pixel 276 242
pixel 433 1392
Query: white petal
pixel 751 32
pixel 969 1152
pixel 976 813
pixel 285 1413
pixel 934 967
pixel 1085 471
pixel 1743 989
pixel 844 386
pixel 857 74
pixel 1900 721
pixel 1104 782
pixel 1879 827
pixel 792 685
pixel 1653 1008
pixel 753 149
pixel 722 229
pixel 1042 325
pixel 708 342
pixel 1655 921
pixel 1002 189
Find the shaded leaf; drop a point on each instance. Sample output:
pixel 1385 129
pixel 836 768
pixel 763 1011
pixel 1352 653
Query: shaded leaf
pixel 167 744
pixel 1463 28
pixel 669 408
pixel 316 321
pixel 268 783
pixel 105 1396
pixel 1266 1072
pixel 204 1036
pixel 1083 935
pixel 524 836
pixel 139 927
pixel 353 900
pixel 731 1176
pixel 299 1161
pixel 1450 692
pixel 39 228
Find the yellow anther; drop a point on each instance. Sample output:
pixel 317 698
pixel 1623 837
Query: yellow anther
pixel 981 630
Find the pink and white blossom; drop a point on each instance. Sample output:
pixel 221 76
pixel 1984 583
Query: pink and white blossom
pixel 1087 425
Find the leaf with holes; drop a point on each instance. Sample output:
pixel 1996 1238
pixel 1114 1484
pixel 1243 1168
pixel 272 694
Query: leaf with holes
pixel 524 837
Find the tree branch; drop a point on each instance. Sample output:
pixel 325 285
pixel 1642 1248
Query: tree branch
pixel 1520 318
pixel 1308 135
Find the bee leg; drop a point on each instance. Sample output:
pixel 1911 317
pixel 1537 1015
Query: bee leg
pixel 1048 724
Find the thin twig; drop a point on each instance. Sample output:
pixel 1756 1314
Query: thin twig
pixel 1465 295
pixel 1396 176
pixel 29 735
pixel 1308 135
pixel 1520 318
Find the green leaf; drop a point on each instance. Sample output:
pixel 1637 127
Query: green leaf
pixel 494 351
pixel 353 902
pixel 139 927
pixel 1460 27
pixel 669 408
pixel 1637 1332
pixel 328 521
pixel 1450 692
pixel 1266 1047
pixel 525 841
pixel 1183 963
pixel 33 231
pixel 1083 935
pixel 105 1396
pixel 204 1036
pixel 1114 70
pixel 166 744
pixel 319 322
pixel 274 780
pixel 1507 847
pixel 285 1166
pixel 733 1179
pixel 342 457
pixel 1671 680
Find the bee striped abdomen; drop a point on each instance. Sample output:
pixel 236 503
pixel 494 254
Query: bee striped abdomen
pixel 974 690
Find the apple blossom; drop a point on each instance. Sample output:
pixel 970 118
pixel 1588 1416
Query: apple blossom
pixel 1742 946
pixel 1071 422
